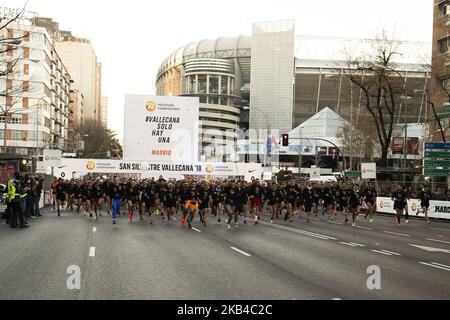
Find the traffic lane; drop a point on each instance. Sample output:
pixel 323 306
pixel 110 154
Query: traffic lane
pixel 160 261
pixel 35 260
pixel 374 239
pixel 338 268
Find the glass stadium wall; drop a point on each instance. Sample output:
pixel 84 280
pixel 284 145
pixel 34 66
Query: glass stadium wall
pixel 272 76
pixel 320 87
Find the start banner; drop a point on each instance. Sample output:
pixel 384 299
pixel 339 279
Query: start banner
pixel 70 166
pixel 437 209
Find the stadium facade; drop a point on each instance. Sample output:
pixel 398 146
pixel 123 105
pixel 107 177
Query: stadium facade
pixel 276 80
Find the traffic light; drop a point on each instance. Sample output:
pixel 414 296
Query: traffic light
pixel 285 142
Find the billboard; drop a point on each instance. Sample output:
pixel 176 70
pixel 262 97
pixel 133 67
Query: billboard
pixel 437 209
pixel 161 128
pixel 52 157
pixel 369 170
pixel 167 169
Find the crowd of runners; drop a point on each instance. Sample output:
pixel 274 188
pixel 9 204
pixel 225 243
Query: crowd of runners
pixel 227 200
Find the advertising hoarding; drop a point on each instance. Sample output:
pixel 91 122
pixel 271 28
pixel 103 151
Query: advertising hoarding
pixel 161 128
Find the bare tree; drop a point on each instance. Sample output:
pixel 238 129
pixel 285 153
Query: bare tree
pixel 98 140
pixel 360 142
pixel 382 87
pixel 8 67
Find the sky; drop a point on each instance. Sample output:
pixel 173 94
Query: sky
pixel 132 38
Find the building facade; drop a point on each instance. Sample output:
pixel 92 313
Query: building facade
pixel 283 80
pixel 79 56
pixel 104 111
pixel 440 70
pixel 34 102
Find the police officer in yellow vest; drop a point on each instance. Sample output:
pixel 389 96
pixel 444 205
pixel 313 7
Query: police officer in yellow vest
pixel 15 195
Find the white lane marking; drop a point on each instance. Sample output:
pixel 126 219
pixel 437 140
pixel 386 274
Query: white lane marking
pixel 92 252
pixel 440 264
pixel 381 252
pixel 394 253
pixel 434 266
pixel 337 299
pixel 240 251
pixel 307 233
pixel 448 230
pixel 430 249
pixel 94 229
pixel 196 230
pixel 347 244
pixel 338 223
pixel 358 244
pixel 438 241
pixel 397 234
pixel 364 228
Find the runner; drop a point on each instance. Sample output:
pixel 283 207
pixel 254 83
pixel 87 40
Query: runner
pixel 425 196
pixel 370 198
pixel 256 196
pixel 191 206
pixel 170 202
pixel 116 195
pixel 60 193
pixel 354 200
pixel 290 200
pixel 308 198
pixel 399 198
pixel 204 203
pixel 230 205
pixel 97 195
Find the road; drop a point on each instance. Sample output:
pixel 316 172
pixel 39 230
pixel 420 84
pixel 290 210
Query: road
pixel 294 261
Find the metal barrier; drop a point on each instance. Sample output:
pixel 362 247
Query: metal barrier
pixel 440 190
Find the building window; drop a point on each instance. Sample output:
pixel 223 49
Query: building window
pixel 213 100
pixel 16 135
pixel 2 119
pixel 2 135
pixel 202 83
pixel 213 84
pixel 444 9
pixel 223 85
pixel 16 119
pixel 443 45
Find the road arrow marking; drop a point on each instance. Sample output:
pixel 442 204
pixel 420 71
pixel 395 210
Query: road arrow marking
pixel 430 249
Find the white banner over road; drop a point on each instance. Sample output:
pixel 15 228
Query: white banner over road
pixel 438 209
pixel 167 170
pixel 161 128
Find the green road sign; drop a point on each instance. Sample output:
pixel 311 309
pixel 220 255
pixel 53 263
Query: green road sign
pixel 437 154
pixel 355 174
pixel 436 172
pixel 436 163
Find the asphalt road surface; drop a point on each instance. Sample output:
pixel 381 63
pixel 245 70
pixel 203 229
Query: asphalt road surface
pixel 294 261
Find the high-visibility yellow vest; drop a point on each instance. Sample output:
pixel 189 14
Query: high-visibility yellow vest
pixel 12 190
